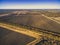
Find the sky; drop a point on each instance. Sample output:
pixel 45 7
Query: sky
pixel 29 4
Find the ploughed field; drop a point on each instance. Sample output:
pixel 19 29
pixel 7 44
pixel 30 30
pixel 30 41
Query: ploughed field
pixel 38 21
pixel 8 37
